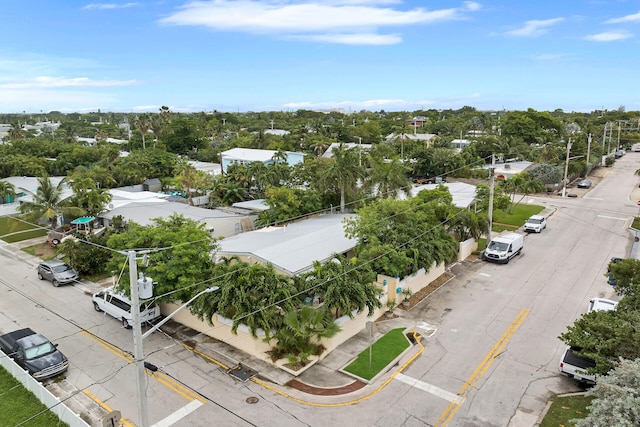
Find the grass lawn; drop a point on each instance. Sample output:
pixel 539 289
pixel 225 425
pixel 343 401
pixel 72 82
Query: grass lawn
pixel 13 230
pixel 19 404
pixel 520 215
pixel 383 352
pixel 566 408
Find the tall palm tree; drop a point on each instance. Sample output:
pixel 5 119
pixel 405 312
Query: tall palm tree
pixel 7 192
pixel 143 123
pixel 47 203
pixel 343 172
pixel 387 178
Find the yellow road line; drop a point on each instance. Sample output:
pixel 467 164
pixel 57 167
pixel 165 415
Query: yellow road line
pixel 106 407
pixel 158 376
pixel 481 369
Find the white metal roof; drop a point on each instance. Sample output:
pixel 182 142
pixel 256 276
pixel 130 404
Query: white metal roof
pixel 462 194
pixel 294 247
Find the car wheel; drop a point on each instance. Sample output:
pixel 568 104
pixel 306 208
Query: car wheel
pixel 55 283
pixel 125 324
pixel 96 306
pixel 55 242
pixel 40 276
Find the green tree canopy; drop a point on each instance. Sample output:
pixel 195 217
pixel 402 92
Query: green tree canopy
pixel 179 255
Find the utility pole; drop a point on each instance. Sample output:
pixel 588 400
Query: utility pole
pixel 588 150
pixel 492 174
pixel 138 351
pixel 566 170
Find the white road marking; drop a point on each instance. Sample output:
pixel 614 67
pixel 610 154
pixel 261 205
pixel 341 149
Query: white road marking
pixel 612 217
pixel 179 414
pixel 436 391
pixel 485 274
pixel 593 198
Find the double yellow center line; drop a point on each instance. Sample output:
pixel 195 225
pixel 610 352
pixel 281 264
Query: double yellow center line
pixel 453 407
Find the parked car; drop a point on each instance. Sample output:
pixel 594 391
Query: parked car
pixel 619 154
pixel 118 305
pixel 34 353
pixel 601 304
pixel 535 223
pixel 610 279
pixel 57 272
pixel 584 183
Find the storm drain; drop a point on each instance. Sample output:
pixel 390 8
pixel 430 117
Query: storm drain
pixel 242 372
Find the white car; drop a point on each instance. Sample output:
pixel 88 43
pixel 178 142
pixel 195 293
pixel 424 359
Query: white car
pixel 536 223
pixel 601 304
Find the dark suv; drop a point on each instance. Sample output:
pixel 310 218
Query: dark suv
pixel 57 272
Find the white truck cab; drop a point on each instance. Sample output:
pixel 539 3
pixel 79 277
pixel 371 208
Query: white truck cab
pixel 504 246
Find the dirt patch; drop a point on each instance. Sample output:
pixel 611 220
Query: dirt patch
pixel 427 290
pixel 43 251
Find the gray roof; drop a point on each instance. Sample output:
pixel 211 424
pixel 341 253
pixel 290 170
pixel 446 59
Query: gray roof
pixel 294 247
pixel 142 212
pixel 462 194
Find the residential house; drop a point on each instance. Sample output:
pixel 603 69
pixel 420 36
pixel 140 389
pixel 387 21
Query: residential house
pixel 248 155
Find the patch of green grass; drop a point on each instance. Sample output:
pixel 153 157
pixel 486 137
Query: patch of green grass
pixel 566 408
pixel 19 404
pixel 636 223
pixel 383 352
pixel 12 229
pixel 516 219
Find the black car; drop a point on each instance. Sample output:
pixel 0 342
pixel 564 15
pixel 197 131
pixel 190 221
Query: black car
pixel 610 279
pixel 34 353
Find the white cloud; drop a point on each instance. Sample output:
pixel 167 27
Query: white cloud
pixel 534 28
pixel 628 18
pixel 608 36
pixel 110 5
pixel 58 82
pixel 355 39
pixel 352 21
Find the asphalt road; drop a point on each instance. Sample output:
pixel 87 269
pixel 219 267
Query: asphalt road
pixel 492 362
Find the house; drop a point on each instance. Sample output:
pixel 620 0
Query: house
pixel 459 144
pixel 142 207
pixel 426 138
pixel 350 145
pixel 463 195
pixel 29 183
pixel 418 121
pixel 292 248
pixel 509 168
pixel 206 167
pixel 245 156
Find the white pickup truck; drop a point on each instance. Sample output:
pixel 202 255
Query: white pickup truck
pixel 575 366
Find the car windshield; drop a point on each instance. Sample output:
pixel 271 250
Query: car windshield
pixel 534 221
pixel 39 350
pixel 498 246
pixel 61 268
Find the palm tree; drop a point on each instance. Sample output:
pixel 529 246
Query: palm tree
pixel 143 123
pixel 48 204
pixel 343 172
pixel 16 132
pixel 89 196
pixel 387 178
pixel 7 192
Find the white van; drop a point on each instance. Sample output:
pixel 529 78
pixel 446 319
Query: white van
pixel 118 305
pixel 504 246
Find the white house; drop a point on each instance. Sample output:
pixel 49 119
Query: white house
pixel 248 155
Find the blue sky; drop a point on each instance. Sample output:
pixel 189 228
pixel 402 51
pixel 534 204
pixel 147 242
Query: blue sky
pixel 254 55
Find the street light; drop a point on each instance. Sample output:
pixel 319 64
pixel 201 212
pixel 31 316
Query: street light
pixel 138 350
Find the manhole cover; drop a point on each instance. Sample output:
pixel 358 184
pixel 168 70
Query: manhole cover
pixel 252 399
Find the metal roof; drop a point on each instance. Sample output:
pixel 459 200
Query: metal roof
pixel 294 247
